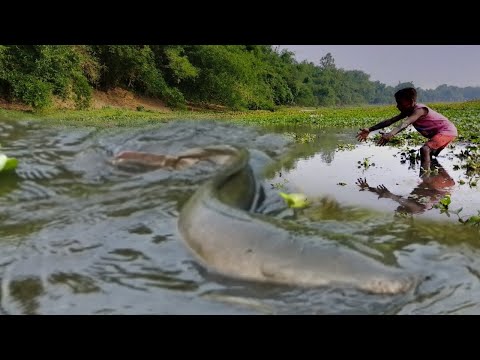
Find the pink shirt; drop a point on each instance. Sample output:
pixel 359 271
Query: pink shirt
pixel 433 123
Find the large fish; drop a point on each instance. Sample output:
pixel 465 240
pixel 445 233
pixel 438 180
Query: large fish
pixel 218 224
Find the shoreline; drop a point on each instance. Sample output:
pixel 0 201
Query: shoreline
pixel 120 108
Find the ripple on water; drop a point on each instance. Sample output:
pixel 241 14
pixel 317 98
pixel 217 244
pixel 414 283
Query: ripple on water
pixel 78 235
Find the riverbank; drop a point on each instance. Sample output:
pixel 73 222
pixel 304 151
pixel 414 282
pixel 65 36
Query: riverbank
pixel 119 108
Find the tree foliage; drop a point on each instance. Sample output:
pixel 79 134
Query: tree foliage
pixel 236 76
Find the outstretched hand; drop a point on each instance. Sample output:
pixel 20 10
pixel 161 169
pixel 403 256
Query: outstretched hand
pixel 382 191
pixel 386 137
pixel 362 183
pixel 363 134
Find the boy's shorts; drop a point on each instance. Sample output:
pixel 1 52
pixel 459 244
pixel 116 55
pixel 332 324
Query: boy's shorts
pixel 439 141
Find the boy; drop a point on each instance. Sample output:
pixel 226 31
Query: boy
pixel 434 126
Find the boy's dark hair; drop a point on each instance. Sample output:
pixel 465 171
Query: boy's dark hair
pixel 407 93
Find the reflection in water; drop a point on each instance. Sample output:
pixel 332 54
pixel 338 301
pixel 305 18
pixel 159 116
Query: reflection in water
pixel 26 292
pixel 434 186
pixel 8 183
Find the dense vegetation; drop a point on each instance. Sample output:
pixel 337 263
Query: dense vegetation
pixel 235 76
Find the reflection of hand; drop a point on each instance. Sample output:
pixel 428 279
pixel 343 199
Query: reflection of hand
pixel 382 191
pixel 362 183
pixel 384 139
pixel 363 134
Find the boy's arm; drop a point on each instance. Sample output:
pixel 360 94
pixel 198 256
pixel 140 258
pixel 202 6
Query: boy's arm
pixel 386 123
pixel 363 134
pixel 409 120
pixel 411 205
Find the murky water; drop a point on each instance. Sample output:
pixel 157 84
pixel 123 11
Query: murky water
pixel 80 236
pixel 381 178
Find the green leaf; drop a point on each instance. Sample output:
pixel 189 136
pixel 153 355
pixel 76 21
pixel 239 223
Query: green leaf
pixel 11 164
pixel 3 161
pixel 446 201
pixel 7 163
pixel 473 220
pixel 294 200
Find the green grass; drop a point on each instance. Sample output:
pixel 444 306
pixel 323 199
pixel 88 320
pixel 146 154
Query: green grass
pixel 465 115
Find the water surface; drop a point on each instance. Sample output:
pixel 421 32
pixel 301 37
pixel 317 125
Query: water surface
pixel 79 236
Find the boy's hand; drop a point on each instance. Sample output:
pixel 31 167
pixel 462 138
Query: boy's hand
pixel 362 183
pixel 382 191
pixel 384 139
pixel 363 134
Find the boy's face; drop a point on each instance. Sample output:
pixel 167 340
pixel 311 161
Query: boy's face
pixel 405 105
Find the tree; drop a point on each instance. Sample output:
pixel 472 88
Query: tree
pixel 327 62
